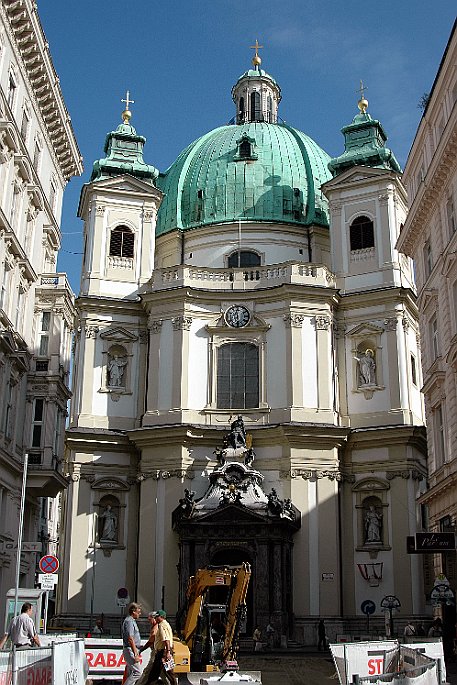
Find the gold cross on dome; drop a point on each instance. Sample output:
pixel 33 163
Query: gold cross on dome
pixel 362 90
pixel 127 100
pixel 256 47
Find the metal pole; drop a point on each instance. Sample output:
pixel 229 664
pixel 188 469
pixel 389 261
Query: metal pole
pixel 94 542
pixel 46 605
pixel 19 536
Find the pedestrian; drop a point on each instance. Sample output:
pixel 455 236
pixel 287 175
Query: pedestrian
pixel 436 629
pixel 409 631
pixel 257 639
pixel 131 642
pixel 22 630
pixel 163 645
pixel 421 632
pixel 270 630
pixel 322 638
pixel 149 644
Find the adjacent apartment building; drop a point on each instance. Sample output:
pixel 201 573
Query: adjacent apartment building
pixel 38 155
pixel 430 237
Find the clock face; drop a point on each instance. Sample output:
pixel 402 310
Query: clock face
pixel 237 316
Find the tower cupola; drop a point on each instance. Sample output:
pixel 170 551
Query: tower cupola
pixel 256 94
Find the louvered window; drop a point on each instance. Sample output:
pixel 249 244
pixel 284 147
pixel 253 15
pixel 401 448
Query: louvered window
pixel 361 233
pixel 121 242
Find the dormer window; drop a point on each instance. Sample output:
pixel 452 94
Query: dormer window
pixel 245 148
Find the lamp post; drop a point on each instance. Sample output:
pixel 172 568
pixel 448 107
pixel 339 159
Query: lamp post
pixel 19 535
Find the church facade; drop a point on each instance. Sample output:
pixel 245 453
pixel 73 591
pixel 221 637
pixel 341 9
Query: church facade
pixel 247 374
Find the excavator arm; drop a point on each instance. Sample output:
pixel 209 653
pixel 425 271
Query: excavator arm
pixel 236 579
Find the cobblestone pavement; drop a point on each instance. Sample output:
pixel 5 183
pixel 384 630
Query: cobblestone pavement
pixel 295 669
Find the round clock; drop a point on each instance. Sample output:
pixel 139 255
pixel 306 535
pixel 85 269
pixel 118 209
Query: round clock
pixel 237 316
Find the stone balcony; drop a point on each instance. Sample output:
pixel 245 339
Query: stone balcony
pixel 45 475
pixel 245 278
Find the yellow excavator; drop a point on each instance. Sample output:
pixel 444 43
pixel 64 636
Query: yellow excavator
pixel 211 629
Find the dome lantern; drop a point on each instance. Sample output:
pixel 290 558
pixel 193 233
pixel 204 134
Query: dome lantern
pixel 256 94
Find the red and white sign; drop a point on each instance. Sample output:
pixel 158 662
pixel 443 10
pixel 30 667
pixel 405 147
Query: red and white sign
pixel 105 658
pixel 48 564
pixel 219 580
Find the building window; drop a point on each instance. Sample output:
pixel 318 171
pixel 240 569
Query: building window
pixel 241 111
pixel 37 423
pixel 361 233
pixel 243 258
pixel 269 109
pixel 256 110
pixel 25 125
pixel 451 219
pixel 52 194
pixel 440 439
pixel 413 370
pixel 8 408
pixel 122 242
pixel 238 376
pixel 428 259
pixel 36 156
pixel 12 88
pixel 434 338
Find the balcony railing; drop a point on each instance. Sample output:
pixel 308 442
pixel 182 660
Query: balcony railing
pixel 54 280
pixel 249 278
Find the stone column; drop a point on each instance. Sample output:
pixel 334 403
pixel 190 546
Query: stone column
pixel 181 328
pixel 294 371
pixel 324 362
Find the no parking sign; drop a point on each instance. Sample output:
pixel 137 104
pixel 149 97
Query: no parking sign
pixel 48 564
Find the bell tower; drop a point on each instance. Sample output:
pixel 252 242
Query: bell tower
pixel 256 94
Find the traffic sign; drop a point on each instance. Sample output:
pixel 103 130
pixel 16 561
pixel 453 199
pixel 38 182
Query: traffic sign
pixel 48 564
pixel 368 607
pixel 122 593
pixel 48 580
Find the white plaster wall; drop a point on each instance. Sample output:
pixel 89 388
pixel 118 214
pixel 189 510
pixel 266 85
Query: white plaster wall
pixel 276 364
pixel 198 365
pixel 165 366
pixel 309 365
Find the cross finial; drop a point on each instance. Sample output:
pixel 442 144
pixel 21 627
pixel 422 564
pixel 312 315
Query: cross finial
pixel 126 114
pixel 256 59
pixel 363 102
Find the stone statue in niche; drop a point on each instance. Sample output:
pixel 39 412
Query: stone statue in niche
pixel 109 525
pixel 373 522
pixel 237 435
pixel 366 368
pixel 116 368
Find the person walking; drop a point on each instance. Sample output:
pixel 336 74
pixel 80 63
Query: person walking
pixel 131 642
pixel 22 630
pixel 322 637
pixel 163 645
pixel 257 639
pixel 149 644
pixel 409 631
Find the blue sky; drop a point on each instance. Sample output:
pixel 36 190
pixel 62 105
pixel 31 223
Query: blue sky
pixel 180 59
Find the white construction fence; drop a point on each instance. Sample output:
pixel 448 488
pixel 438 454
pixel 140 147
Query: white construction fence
pixel 386 661
pixel 61 663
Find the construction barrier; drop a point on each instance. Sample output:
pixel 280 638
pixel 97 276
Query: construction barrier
pixel 386 662
pixel 62 663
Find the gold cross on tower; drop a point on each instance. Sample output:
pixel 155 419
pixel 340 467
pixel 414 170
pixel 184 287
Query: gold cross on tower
pixel 126 114
pixel 256 61
pixel 363 102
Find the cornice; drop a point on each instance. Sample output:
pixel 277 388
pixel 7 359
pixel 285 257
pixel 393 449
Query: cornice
pixel 33 49
pixel 428 196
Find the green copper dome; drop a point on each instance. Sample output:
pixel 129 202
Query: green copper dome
pixel 254 171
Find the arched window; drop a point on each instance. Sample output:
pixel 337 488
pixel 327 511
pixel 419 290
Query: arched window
pixel 256 111
pixel 241 111
pixel 269 109
pixel 243 258
pixel 238 376
pixel 122 242
pixel 361 233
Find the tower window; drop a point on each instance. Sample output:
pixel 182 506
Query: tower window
pixel 238 376
pixel 243 258
pixel 361 233
pixel 121 242
pixel 241 111
pixel 256 110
